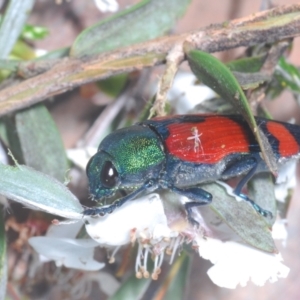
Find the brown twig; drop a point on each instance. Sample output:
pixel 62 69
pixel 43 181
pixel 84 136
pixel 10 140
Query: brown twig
pixel 173 60
pixel 264 27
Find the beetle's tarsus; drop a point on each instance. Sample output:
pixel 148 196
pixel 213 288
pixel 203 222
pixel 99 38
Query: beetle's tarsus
pixel 265 213
pixel 98 211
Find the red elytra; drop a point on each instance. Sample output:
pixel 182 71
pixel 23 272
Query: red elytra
pixel 208 141
pixel 288 146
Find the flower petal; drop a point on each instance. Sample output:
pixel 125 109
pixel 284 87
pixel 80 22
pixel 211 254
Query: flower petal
pixel 134 217
pixel 237 264
pixel 72 253
pixel 107 5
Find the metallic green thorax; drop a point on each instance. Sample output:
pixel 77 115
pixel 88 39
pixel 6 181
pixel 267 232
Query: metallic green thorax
pixel 134 151
pixel 126 159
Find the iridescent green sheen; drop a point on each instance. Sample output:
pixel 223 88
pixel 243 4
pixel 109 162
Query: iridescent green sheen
pixel 135 153
pixel 125 159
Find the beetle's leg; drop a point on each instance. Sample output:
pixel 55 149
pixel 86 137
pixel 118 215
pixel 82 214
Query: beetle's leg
pixel 94 211
pixel 240 166
pixel 238 190
pixel 265 213
pixel 200 197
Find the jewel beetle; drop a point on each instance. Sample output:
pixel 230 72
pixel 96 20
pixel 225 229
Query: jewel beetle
pixel 181 152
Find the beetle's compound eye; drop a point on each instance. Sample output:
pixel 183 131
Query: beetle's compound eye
pixel 109 175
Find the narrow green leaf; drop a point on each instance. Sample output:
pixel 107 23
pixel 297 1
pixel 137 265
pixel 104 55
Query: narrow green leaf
pixel 175 284
pixel 113 86
pixel 40 141
pixel 38 191
pixel 293 72
pixel 22 51
pixel 132 288
pixel 240 216
pixel 247 64
pixel 216 75
pixel 13 141
pixel 288 76
pixel 3 259
pixel 3 132
pixel 250 80
pixel 12 24
pixel 141 22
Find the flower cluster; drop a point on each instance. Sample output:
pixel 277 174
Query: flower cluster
pixel 159 226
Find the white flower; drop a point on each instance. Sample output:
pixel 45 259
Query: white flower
pixel 107 5
pixel 279 231
pixel 71 253
pixel 157 222
pixel 185 94
pixel 237 264
pixel 286 180
pixel 60 245
pixel 142 220
pixel 81 156
pixel 141 215
pixel 160 228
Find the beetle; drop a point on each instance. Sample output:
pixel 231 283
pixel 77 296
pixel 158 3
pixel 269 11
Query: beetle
pixel 179 153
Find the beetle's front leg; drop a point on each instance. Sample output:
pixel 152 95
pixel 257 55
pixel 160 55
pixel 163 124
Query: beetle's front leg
pixel 199 196
pixel 102 211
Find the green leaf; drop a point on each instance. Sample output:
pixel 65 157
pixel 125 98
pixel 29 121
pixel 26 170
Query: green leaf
pixel 132 288
pixel 247 64
pixel 22 51
pixel 12 24
pixel 113 86
pixel 251 80
pixel 292 73
pixel 141 22
pixel 3 257
pixel 241 217
pixel 176 282
pixel 31 32
pixel 13 142
pixel 38 191
pixel 3 132
pixel 40 142
pixel 286 76
pixel 217 76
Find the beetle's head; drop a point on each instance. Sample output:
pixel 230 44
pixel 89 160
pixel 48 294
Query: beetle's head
pixel 125 160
